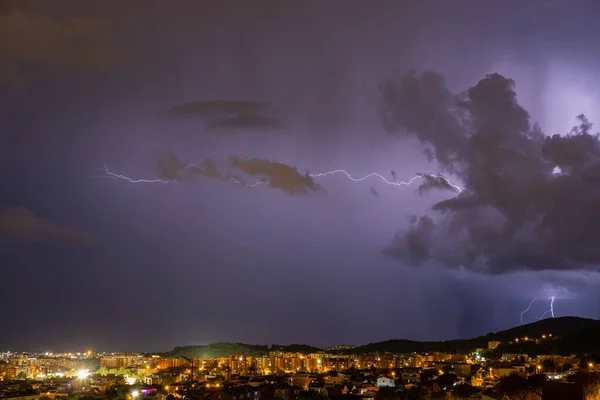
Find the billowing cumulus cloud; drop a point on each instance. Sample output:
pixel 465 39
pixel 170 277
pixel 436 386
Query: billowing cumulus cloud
pixel 514 212
pixel 276 175
pixel 30 39
pixel 18 224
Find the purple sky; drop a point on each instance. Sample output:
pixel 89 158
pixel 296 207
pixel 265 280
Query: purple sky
pixel 206 260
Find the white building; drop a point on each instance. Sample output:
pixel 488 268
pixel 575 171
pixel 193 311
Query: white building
pixel 384 381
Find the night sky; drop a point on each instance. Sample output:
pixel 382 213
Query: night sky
pixel 89 260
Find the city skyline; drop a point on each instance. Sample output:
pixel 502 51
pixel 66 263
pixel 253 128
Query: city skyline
pixel 558 355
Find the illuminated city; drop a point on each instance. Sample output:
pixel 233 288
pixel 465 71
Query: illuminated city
pixel 305 372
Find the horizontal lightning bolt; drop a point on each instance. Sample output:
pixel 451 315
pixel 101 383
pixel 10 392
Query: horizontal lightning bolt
pixel 113 175
pixel 131 180
pixel 387 182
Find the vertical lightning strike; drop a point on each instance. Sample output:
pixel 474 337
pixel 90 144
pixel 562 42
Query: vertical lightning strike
pixel 113 175
pixel 546 312
pixel 526 310
pixel 550 310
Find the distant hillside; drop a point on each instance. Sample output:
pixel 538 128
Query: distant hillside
pixel 295 348
pixel 576 335
pixel 569 335
pixel 556 326
pixel 218 350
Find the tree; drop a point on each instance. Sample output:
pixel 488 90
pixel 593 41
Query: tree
pixel 111 393
pixel 102 371
pixel 448 369
pixel 446 381
pixel 168 380
pixel 513 385
pixel 464 391
pixel 386 393
pixel 548 365
pixel 311 395
pixel 21 375
pixel 567 367
pixel 428 375
pixel 415 393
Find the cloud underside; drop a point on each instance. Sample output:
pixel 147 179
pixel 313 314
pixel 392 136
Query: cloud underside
pixel 20 225
pixel 244 122
pixel 39 40
pixel 231 116
pixel 514 212
pixel 220 108
pixel 272 174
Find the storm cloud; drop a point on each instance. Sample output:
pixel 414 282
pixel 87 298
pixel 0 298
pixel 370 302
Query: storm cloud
pixel 21 225
pixel 276 175
pixel 272 174
pixel 432 182
pixel 35 39
pixel 245 122
pixel 219 108
pixel 514 213
pixel 171 168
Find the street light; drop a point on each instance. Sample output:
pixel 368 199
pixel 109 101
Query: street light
pixel 82 374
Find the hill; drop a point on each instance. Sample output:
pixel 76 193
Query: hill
pixel 564 335
pixel 219 350
pixel 569 334
pixel 576 335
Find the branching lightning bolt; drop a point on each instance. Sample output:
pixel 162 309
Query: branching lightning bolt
pixel 113 175
pixel 548 311
pixel 527 309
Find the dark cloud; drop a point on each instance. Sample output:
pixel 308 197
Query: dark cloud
pixel 435 182
pixel 414 245
pixel 514 213
pixel 220 108
pixel 276 175
pixel 171 168
pixel 273 174
pixel 18 224
pixel 245 122
pixel 34 39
